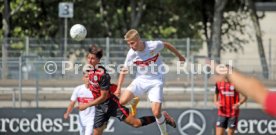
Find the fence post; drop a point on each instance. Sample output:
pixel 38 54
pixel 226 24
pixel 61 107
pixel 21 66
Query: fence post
pixel 188 48
pixel 65 37
pixel 206 89
pixel 13 97
pixel 27 45
pixel 37 87
pixel 20 81
pixel 270 61
pixel 192 83
pixel 107 42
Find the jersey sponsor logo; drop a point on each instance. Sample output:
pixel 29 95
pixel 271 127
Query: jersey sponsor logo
pixel 147 62
pixel 228 93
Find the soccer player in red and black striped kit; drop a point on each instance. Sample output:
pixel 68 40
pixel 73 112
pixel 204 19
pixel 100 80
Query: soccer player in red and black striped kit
pixel 227 100
pixel 249 86
pixel 106 103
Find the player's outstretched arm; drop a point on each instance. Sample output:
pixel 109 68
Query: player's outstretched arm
pixel 174 50
pixel 249 86
pixel 253 88
pixel 246 85
pixel 99 100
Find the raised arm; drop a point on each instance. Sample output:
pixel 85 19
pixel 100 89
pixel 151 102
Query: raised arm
pixel 174 51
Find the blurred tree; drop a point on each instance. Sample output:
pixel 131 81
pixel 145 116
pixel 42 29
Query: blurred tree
pixel 108 18
pixel 216 29
pixel 258 34
pixel 6 27
pixel 229 28
pixel 154 19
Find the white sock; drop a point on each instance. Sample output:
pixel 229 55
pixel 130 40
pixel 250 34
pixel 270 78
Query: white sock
pixel 162 124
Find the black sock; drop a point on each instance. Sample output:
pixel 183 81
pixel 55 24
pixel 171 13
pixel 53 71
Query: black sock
pixel 147 120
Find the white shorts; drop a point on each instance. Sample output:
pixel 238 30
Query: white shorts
pixel 86 130
pixel 153 87
pixel 86 125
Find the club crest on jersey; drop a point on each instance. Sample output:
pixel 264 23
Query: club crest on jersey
pixel 232 87
pixel 94 84
pixel 96 78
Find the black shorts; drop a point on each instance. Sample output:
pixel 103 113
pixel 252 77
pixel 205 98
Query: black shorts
pixel 111 107
pixel 224 122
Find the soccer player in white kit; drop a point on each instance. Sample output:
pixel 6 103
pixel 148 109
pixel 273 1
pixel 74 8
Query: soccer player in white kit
pixel 146 55
pixel 83 95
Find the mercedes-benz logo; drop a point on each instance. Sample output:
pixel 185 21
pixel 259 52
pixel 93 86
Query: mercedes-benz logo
pixel 195 121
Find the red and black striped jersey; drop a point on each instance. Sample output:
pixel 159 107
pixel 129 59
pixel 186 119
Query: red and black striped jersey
pixel 99 80
pixel 228 97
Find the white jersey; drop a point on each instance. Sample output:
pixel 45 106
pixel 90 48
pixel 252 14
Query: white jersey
pixel 149 63
pixel 83 95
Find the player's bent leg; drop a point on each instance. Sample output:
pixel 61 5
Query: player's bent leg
pixel 99 130
pixel 156 109
pixel 126 97
pixel 138 122
pixel 160 119
pixel 133 105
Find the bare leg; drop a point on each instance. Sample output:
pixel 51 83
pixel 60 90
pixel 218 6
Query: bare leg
pixel 126 97
pixel 156 109
pixel 138 122
pixel 219 131
pixel 231 131
pixel 130 120
pixel 160 119
pixel 99 131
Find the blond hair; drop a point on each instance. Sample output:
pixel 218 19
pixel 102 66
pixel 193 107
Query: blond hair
pixel 131 35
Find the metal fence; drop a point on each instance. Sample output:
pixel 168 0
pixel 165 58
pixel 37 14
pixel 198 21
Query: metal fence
pixel 28 57
pixel 36 52
pixel 115 50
